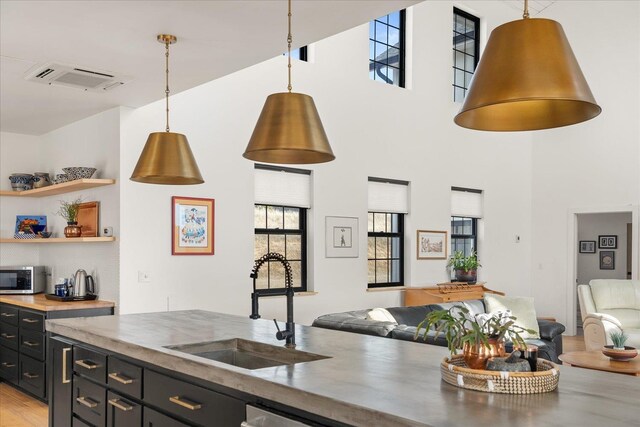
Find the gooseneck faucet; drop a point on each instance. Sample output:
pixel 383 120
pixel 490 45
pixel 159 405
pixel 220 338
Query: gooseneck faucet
pixel 289 334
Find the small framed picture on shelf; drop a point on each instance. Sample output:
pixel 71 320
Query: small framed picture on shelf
pixel 607 242
pixel 587 246
pixel 29 226
pixel 607 260
pixel 431 244
pixel 192 226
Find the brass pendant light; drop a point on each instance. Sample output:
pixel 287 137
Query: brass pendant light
pixel 166 157
pixel 289 129
pixel 527 79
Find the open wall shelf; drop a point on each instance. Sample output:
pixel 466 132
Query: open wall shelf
pixel 60 240
pixel 65 187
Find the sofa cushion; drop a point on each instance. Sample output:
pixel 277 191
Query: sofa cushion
pixel 355 321
pixel 634 337
pixel 475 306
pixel 629 318
pixel 550 329
pixel 521 307
pixel 410 316
pixel 615 294
pixel 381 315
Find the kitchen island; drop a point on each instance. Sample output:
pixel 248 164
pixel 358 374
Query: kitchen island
pixel 362 380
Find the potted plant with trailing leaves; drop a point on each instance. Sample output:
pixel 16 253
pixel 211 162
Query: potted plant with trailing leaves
pixel 69 211
pixel 465 267
pixel 619 351
pixel 479 336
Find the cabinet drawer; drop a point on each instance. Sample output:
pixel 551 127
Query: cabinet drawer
pixel 9 366
pixel 32 376
pixel 191 402
pixel 89 401
pixel 9 336
pixel 156 419
pixel 122 412
pixel 10 315
pixel 31 320
pixel 90 363
pixel 124 377
pixel 77 422
pixel 32 344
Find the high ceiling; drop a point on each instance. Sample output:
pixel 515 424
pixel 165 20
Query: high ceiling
pixel 215 38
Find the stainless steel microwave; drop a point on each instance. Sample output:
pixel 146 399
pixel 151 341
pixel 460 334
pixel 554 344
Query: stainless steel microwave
pixel 22 280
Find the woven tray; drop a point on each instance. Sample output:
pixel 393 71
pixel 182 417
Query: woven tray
pixel 455 372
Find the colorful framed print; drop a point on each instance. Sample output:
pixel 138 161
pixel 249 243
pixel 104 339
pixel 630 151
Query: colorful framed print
pixel 587 246
pixel 28 226
pixel 431 244
pixel 192 226
pixel 607 260
pixel 607 242
pixel 341 237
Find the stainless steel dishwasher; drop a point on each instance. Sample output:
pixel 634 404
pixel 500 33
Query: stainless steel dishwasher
pixel 257 417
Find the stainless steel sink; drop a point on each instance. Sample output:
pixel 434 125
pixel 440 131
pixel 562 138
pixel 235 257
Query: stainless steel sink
pixel 247 354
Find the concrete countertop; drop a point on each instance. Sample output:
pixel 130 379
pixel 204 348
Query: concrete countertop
pixel 367 381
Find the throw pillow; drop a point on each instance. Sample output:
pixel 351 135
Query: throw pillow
pixel 521 307
pixel 380 315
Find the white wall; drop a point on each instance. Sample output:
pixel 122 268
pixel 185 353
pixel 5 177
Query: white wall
pixel 374 129
pixel 594 164
pixel 590 226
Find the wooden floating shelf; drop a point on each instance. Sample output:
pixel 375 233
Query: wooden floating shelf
pixel 65 187
pixel 60 240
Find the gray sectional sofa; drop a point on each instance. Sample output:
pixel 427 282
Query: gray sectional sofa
pixel 406 320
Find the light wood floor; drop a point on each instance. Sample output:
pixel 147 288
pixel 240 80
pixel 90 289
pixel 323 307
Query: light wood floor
pixel 20 410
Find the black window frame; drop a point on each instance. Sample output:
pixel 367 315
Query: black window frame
pixel 473 235
pixel 303 54
pixel 401 50
pixel 476 54
pixel 401 258
pixel 301 231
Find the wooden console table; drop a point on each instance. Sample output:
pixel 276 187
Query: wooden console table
pixel 445 292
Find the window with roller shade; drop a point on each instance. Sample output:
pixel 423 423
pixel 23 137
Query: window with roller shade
pixel 282 199
pixel 388 202
pixel 466 211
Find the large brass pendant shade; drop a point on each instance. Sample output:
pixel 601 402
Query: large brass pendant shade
pixel 166 157
pixel 289 129
pixel 528 79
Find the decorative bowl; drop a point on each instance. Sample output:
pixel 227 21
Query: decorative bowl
pixel 44 234
pixel 620 355
pixel 21 181
pixel 60 178
pixel 78 172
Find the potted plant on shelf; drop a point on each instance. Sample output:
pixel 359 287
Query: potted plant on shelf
pixel 479 336
pixel 465 268
pixel 619 351
pixel 69 211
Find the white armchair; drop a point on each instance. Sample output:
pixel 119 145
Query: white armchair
pixel 607 306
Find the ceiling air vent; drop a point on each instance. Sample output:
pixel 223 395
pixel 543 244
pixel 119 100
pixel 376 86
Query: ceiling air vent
pixel 79 78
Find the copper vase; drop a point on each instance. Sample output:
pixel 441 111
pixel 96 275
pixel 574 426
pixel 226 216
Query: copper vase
pixel 476 356
pixel 73 230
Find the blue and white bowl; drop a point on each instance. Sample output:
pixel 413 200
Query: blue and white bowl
pixel 60 178
pixel 21 181
pixel 78 172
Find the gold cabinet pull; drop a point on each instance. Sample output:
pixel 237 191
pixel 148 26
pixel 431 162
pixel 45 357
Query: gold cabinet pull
pixel 7 315
pixel 87 364
pixel 30 343
pixel 65 352
pixel 7 336
pixel 116 404
pixel 185 403
pixel 8 365
pixel 29 320
pixel 86 402
pixel 30 376
pixel 120 378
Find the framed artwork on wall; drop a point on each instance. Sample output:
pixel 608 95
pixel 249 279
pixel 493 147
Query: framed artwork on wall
pixel 341 237
pixel 607 242
pixel 587 246
pixel 192 225
pixel 607 260
pixel 431 244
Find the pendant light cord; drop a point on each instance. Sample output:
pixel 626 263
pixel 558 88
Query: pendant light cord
pixel 289 40
pixel 525 15
pixel 166 90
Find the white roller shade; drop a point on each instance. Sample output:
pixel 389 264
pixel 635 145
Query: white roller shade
pixel 466 204
pixel 282 188
pixel 388 197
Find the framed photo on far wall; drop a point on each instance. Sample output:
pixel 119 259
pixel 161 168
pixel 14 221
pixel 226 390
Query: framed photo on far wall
pixel 341 237
pixel 431 244
pixel 607 242
pixel 587 246
pixel 607 260
pixel 192 222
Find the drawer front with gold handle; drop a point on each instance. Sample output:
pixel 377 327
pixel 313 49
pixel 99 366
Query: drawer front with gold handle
pixel 32 343
pixel 124 377
pixel 9 336
pixel 196 404
pixel 122 412
pixel 9 315
pixel 90 363
pixel 87 364
pixel 9 365
pixel 31 320
pixel 120 404
pixel 85 401
pixel 32 376
pixel 89 401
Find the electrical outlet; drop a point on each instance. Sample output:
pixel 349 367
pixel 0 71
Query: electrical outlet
pixel 144 276
pixel 517 239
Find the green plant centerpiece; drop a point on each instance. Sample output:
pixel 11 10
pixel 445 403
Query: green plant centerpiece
pixel 479 336
pixel 69 211
pixel 618 339
pixel 465 267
